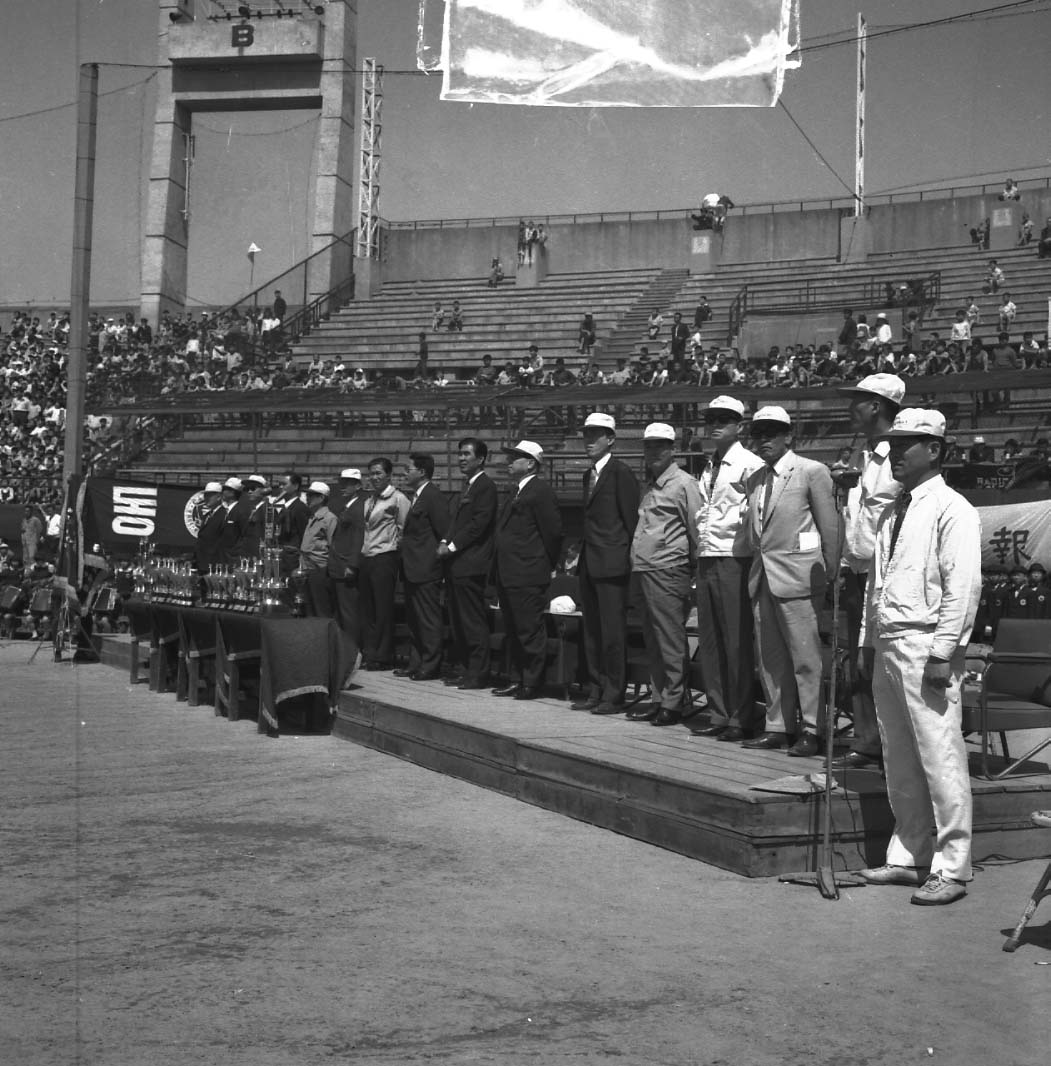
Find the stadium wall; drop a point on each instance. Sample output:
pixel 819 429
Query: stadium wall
pixel 461 251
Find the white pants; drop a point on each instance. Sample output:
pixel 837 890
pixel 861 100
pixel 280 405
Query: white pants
pixel 926 760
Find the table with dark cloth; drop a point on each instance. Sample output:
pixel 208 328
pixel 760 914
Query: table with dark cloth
pixel 298 655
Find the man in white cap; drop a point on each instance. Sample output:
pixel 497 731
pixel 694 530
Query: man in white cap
pixel 344 557
pixel 874 403
pixel 725 644
pixel 210 530
pixel 257 489
pixel 314 551
pixel 663 551
pixel 611 512
pixel 234 521
pixel 794 529
pixel 923 595
pixel 528 539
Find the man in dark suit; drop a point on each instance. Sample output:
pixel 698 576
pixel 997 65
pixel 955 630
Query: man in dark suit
pixel 211 528
pixel 427 521
pixel 256 492
pixel 611 513
pixel 344 557
pixel 235 521
pixel 292 518
pixel 528 540
pixel 467 551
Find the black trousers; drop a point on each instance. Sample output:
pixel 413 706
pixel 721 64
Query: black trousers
pixel 469 618
pixel 348 608
pixel 423 613
pixel 523 610
pixel 604 606
pixel 377 580
pixel 318 595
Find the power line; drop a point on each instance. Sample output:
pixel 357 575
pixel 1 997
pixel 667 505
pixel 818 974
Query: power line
pixel 817 151
pixel 992 12
pixel 73 103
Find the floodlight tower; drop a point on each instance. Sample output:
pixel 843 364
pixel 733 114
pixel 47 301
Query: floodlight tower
pixel 368 251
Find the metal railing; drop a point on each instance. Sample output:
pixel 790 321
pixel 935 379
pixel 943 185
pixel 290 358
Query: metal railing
pixel 825 294
pixel 761 208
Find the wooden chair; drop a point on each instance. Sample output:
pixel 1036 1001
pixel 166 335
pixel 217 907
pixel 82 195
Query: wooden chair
pixel 1015 689
pixel 228 668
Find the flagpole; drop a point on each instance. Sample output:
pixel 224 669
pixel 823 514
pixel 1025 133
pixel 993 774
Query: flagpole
pixel 859 131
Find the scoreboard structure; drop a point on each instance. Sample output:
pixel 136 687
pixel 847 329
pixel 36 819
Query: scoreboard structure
pixel 233 57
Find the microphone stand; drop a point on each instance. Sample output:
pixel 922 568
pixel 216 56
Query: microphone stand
pixel 824 877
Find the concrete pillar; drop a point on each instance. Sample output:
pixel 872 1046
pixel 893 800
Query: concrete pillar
pixel 705 251
pixel 1005 226
pixel 855 239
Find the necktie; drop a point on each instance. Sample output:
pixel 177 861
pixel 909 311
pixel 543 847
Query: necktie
pixel 768 492
pixel 899 516
pixel 592 480
pixel 716 463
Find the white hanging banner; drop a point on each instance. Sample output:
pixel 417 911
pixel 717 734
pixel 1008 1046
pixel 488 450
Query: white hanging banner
pixel 612 53
pixel 1018 534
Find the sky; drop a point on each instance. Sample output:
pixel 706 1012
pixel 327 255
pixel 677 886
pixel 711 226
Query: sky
pixel 960 103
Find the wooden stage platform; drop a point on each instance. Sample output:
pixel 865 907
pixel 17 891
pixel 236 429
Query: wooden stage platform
pixel 690 794
pixel 663 785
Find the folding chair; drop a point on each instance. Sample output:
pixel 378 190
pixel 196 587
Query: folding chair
pixel 1015 689
pixel 1042 819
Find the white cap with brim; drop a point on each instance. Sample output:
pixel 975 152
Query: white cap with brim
pixel 319 488
pixel 598 420
pixel 659 431
pixel 772 415
pixel 917 422
pixel 352 473
pixel 727 403
pixel 213 486
pixel 888 386
pixel 529 448
pixel 256 479
pixel 234 483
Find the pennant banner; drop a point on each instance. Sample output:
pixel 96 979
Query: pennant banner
pixel 598 53
pixel 118 514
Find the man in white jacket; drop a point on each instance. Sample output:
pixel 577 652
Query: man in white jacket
pixel 923 594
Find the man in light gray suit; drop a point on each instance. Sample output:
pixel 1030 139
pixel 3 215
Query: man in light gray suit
pixel 794 530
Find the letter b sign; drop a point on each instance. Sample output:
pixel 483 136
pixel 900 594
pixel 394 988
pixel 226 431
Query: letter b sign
pixel 242 35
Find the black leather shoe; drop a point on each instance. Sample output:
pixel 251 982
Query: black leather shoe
pixel 506 690
pixel 403 673
pixel 805 747
pixel 708 730
pixel 734 734
pixel 531 692
pixel 419 675
pixel 378 666
pixel 768 742
pixel 585 705
pixel 473 683
pixel 857 760
pixel 666 716
pixel 608 708
pixel 642 712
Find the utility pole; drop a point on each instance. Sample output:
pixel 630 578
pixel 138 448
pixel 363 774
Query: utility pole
pixel 859 135
pixel 80 282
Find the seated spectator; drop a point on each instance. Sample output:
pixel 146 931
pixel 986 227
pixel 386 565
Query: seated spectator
pixel 531 372
pixel 620 376
pixel 456 318
pixel 437 316
pixel 487 373
pixel 994 278
pixel 508 376
pixel 586 334
pixel 862 334
pixel 358 381
pixel 591 374
pixel 702 314
pixel 1025 233
pixel 561 376
pixel 654 323
pixel 1012 449
pixel 1010 191
pixel 496 274
pixel 1030 351
pixel 977 357
pixel 1003 356
pixel 980 452
pixel 1007 312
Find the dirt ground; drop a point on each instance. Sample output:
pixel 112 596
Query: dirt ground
pixel 177 890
